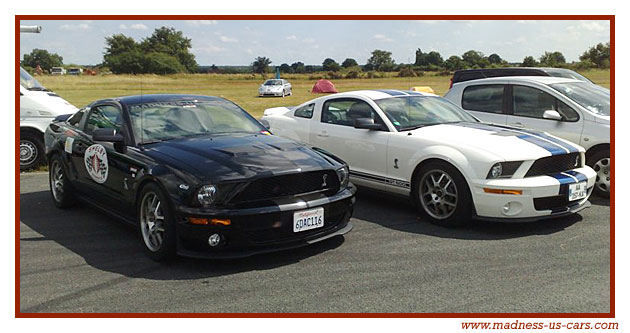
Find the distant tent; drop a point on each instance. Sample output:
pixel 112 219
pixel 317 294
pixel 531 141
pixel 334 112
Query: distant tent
pixel 324 86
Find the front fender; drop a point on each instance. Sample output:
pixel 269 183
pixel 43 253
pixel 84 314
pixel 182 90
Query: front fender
pixel 470 168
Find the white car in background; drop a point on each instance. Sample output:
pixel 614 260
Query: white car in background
pixel 451 165
pixel 275 87
pixel 38 107
pixel 570 109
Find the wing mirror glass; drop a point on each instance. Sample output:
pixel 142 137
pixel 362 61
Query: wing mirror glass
pixel 367 123
pixel 552 114
pixel 107 135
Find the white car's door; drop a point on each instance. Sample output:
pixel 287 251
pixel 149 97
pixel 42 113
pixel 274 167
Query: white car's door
pixel 364 150
pixel 486 102
pixel 528 106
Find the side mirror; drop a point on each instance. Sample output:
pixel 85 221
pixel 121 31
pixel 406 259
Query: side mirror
pixel 265 123
pixel 367 123
pixel 552 114
pixel 107 135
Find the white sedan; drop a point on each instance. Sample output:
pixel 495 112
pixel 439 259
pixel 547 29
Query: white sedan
pixel 275 87
pixel 451 165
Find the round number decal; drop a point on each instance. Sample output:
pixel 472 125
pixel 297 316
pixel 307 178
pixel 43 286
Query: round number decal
pixel 96 163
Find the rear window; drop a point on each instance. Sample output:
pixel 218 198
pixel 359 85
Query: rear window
pixel 484 98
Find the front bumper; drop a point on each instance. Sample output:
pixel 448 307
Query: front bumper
pixel 270 93
pixel 262 229
pixel 542 197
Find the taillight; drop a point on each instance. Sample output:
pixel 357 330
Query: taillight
pixel 451 85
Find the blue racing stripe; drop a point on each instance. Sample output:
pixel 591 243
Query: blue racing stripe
pixel 393 92
pixel 553 149
pixel 555 140
pixel 563 179
pixel 580 177
pixel 523 135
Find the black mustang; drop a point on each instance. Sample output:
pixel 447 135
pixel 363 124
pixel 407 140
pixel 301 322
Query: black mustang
pixel 198 175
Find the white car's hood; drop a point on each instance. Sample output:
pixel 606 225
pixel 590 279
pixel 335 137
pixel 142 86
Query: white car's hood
pixel 508 143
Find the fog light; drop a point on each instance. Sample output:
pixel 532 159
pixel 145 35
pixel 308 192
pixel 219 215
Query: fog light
pixel 214 240
pixel 512 208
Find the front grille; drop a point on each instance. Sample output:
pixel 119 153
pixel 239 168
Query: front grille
pixel 288 185
pixel 553 164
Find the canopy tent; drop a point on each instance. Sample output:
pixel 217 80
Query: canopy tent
pixel 324 86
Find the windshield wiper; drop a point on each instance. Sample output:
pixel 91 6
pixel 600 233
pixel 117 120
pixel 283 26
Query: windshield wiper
pixel 38 89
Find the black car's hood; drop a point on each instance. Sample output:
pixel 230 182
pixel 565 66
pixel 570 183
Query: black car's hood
pixel 236 156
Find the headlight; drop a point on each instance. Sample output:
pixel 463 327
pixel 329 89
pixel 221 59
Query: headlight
pixel 207 194
pixel 504 169
pixel 495 171
pixel 343 174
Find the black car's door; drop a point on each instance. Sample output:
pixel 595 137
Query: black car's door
pixel 104 171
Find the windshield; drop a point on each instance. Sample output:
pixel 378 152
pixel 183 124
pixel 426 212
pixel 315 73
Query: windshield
pixel 568 74
pixel 411 112
pixel 153 122
pixel 28 82
pixel 594 99
pixel 273 82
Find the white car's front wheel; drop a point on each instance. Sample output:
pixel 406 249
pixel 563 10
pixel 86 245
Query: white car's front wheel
pixel 442 194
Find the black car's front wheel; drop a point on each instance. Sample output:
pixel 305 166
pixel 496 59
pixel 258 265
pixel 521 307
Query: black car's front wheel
pixel 156 223
pixel 442 194
pixel 60 187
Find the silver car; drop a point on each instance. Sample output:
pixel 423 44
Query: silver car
pixel 275 87
pixel 571 109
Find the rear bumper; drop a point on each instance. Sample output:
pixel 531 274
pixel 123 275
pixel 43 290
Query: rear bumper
pixel 263 229
pixel 542 197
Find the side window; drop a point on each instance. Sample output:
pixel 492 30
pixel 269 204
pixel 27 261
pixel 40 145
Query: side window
pixel 305 111
pixel 532 102
pixel 568 112
pixel 75 119
pixel 104 116
pixel 345 111
pixel 485 98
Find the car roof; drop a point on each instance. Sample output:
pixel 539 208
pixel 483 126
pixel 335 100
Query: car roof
pixel 160 98
pixel 539 79
pixel 377 94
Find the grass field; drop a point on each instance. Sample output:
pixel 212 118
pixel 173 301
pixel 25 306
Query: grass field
pixel 239 88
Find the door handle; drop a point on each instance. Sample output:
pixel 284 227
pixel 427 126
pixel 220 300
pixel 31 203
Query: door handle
pixel 323 134
pixel 517 124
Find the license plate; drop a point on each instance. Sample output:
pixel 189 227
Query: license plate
pixel 308 219
pixel 577 191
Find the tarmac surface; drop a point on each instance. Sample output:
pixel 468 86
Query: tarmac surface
pixel 82 260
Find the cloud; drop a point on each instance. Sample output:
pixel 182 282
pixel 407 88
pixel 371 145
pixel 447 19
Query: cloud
pixel 136 26
pixel 209 49
pixel 383 38
pixel 292 37
pixel 197 23
pixel 75 27
pixel 226 39
pixel 308 40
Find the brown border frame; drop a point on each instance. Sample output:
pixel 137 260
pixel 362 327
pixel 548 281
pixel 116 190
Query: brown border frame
pixel 19 314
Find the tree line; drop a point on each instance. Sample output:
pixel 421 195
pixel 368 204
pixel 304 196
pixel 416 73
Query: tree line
pixel 167 51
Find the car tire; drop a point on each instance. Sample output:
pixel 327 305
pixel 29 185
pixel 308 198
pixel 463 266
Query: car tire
pixel 291 92
pixel 442 195
pixel 282 93
pixel 60 188
pixel 31 150
pixel 156 223
pixel 600 162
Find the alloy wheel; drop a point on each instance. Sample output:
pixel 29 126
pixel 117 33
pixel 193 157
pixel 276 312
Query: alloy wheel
pixel 152 221
pixel 438 194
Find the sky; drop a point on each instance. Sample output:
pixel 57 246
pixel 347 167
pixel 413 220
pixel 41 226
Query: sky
pixel 228 42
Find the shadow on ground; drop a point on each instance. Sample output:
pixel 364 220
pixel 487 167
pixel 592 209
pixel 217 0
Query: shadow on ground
pixel 111 245
pixel 398 214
